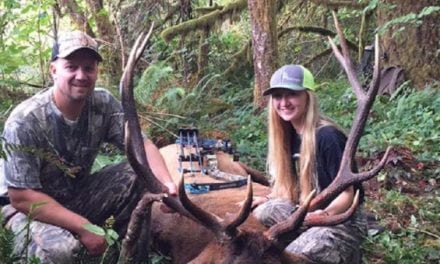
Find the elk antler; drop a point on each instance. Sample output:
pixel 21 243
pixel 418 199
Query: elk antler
pixel 321 220
pixel 292 222
pixel 210 221
pixel 134 142
pixel 136 155
pixel 345 176
pixel 134 148
pixel 365 100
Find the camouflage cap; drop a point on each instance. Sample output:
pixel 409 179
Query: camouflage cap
pixel 69 42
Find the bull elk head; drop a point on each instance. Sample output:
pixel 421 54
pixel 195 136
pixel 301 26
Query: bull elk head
pixel 231 240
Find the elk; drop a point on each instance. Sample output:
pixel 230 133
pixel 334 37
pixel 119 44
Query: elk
pixel 222 238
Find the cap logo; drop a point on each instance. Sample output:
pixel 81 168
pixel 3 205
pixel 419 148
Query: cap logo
pixel 292 79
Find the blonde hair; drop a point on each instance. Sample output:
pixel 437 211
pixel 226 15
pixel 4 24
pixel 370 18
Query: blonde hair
pixel 286 183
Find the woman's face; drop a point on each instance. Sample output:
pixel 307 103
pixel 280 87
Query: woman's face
pixel 290 105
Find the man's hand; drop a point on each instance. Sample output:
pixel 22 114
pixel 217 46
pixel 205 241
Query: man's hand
pixel 171 190
pixel 94 244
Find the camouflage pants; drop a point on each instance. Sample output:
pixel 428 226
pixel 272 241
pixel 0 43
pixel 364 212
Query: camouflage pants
pixel 333 245
pixel 113 191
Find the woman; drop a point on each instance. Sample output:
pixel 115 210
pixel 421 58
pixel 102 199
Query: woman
pixel 305 151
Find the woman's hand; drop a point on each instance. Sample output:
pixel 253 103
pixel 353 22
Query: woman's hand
pixel 256 201
pixel 316 213
pixel 259 200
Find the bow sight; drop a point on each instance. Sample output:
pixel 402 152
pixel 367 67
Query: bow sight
pixel 195 150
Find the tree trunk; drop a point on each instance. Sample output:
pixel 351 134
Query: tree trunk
pixel 264 45
pixel 107 32
pixel 76 15
pixel 415 47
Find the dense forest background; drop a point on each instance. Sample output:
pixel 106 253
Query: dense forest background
pixel 208 62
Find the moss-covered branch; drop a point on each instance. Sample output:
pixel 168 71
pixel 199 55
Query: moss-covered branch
pixel 202 22
pixel 339 4
pixel 209 9
pixel 317 30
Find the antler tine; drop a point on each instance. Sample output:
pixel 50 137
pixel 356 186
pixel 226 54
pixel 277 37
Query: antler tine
pixel 133 138
pixel 142 46
pixel 135 54
pixel 375 170
pixel 333 219
pixel 207 219
pixel 344 59
pixel 292 223
pixel 245 210
pixel 374 85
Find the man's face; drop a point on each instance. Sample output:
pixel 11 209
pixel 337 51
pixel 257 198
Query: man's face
pixel 75 76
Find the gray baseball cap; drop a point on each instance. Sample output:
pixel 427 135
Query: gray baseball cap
pixel 291 77
pixel 69 42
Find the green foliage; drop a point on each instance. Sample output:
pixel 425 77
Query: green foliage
pixel 403 247
pixel 150 80
pixel 40 153
pixel 174 106
pixel 246 127
pixel 110 235
pixel 24 44
pixel 7 244
pixel 337 101
pixel 104 159
pixel 408 19
pixel 395 202
pixel 159 259
pixel 7 255
pixel 410 119
pixel 413 238
pixel 224 45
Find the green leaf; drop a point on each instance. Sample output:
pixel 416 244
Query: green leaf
pixel 428 10
pixel 97 230
pixel 111 237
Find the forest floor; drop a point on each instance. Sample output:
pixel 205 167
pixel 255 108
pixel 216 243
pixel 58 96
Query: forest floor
pixel 403 210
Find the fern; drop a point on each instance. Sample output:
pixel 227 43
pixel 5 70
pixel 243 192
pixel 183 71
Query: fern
pixel 7 255
pixel 150 81
pixel 411 18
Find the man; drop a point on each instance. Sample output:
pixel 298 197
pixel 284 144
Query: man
pixel 56 135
